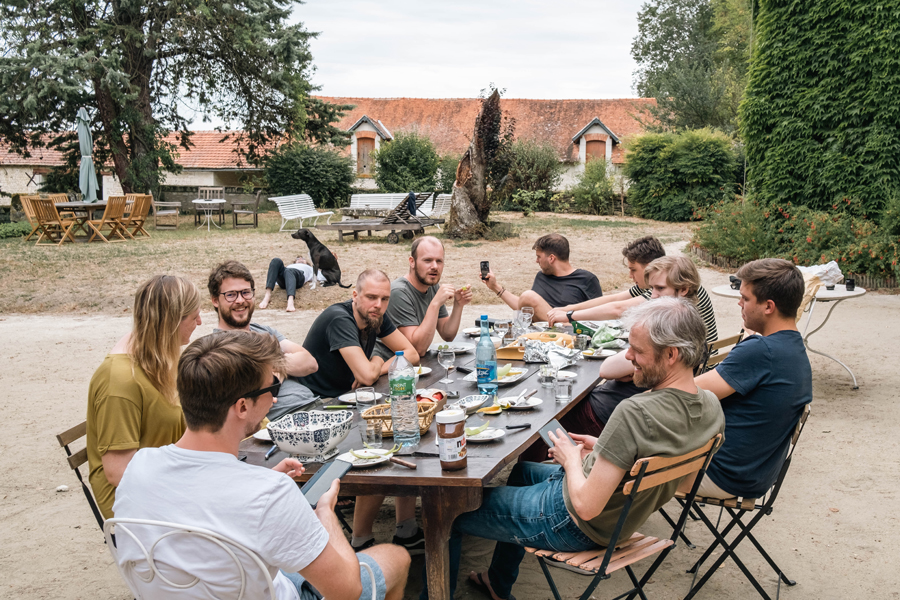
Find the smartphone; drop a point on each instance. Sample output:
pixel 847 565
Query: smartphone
pixel 553 426
pixel 485 269
pixel 465 370
pixel 320 483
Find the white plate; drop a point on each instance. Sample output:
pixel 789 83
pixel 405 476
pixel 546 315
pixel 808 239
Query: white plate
pixel 457 347
pixel 514 375
pixel 379 456
pixel 525 404
pixel 601 353
pixel 263 434
pixel 420 371
pixel 472 331
pixel 488 435
pixel 541 324
pixel 566 375
pixel 350 398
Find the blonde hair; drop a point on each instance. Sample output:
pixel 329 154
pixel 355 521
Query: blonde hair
pixel 160 305
pixel 681 274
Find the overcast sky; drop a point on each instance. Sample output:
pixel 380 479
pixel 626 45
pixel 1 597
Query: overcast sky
pixel 453 49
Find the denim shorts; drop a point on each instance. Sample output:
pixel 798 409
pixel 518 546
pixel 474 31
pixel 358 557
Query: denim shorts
pixel 308 592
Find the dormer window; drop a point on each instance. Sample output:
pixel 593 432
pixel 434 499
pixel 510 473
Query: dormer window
pixel 595 140
pixel 366 136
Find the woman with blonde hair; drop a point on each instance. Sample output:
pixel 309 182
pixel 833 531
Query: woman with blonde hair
pixel 132 400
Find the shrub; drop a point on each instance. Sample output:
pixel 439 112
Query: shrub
pixel 673 175
pixel 322 173
pixel 11 230
pixel 534 166
pixel 446 173
pixel 530 202
pixel 408 163
pixel 594 191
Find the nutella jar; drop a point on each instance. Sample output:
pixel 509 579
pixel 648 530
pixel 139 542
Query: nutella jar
pixel 451 429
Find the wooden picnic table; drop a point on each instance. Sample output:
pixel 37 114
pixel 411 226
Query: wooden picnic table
pixel 447 494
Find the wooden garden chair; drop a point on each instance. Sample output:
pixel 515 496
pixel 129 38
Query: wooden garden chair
pixel 53 227
pixel 30 214
pixel 133 223
pixel 251 208
pixel 76 460
pixel 601 562
pixel 112 220
pixel 57 199
pixel 165 209
pixel 715 352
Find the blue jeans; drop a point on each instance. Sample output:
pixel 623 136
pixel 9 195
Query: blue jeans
pixel 307 592
pixel 528 511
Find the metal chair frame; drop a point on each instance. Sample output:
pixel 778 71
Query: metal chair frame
pixel 75 460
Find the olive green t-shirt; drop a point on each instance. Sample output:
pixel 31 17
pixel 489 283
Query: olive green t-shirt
pixel 125 412
pixel 666 422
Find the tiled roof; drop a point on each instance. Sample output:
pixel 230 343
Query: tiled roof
pixel 449 121
pixel 40 157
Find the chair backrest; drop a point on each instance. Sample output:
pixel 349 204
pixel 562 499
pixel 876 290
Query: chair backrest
pixel 59 197
pixel 795 436
pixel 293 207
pixel 28 207
pixel 401 211
pixel 711 361
pixel 141 207
pixel 211 193
pixel 45 210
pixel 115 208
pixel 75 461
pixel 441 205
pixel 375 201
pixel 152 581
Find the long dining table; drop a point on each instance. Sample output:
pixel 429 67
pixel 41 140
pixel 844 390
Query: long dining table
pixel 447 494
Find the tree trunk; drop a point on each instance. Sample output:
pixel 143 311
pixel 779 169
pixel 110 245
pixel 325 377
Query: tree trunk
pixel 470 205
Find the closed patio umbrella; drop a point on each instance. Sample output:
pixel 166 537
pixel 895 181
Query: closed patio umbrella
pixel 87 176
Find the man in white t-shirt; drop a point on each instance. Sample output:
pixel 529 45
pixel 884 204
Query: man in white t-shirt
pixel 226 384
pixel 290 278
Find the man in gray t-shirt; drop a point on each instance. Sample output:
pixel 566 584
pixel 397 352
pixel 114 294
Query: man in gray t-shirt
pixel 417 299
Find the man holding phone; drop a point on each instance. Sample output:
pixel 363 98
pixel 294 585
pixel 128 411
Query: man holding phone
pixel 574 505
pixel 226 384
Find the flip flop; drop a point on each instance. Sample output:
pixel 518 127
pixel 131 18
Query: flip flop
pixel 481 586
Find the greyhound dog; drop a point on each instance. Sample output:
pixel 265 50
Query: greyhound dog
pixel 321 258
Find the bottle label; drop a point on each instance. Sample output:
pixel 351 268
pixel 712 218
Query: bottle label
pixel 452 449
pixel 487 372
pixel 402 386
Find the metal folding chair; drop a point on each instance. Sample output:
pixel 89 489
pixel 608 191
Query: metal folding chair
pixel 75 460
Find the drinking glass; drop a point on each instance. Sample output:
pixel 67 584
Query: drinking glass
pixel 502 327
pixel 563 390
pixel 371 435
pixel 582 342
pixel 547 375
pixel 446 358
pixel 527 315
pixel 365 397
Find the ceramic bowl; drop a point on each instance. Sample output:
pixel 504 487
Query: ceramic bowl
pixel 311 435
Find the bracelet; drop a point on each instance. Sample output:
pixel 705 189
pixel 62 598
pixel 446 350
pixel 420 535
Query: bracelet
pixel 500 293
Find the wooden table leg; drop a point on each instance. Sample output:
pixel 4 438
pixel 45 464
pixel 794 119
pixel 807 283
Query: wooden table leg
pixel 440 506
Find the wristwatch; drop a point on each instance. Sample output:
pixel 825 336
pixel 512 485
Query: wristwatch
pixel 569 315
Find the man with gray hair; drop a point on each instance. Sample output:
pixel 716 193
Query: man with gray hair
pixel 573 506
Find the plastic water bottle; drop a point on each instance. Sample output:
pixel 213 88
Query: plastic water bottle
pixel 404 408
pixel 485 355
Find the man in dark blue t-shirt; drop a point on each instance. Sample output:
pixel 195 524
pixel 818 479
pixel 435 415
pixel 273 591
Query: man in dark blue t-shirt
pixel 763 383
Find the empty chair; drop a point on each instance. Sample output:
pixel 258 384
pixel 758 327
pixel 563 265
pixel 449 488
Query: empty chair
pixel 251 208
pixel 52 226
pixel 111 220
pixel 133 222
pixel 211 193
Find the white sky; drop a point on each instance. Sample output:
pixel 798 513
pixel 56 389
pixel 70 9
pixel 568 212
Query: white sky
pixel 453 49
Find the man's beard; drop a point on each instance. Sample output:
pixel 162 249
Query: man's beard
pixel 649 376
pixel 423 278
pixel 228 318
pixel 372 323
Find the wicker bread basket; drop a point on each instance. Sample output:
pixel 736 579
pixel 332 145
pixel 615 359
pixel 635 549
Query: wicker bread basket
pixel 382 412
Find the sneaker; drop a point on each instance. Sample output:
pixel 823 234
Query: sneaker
pixel 414 544
pixel 365 545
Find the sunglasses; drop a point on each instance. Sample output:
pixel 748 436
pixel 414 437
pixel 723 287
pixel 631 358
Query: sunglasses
pixel 274 388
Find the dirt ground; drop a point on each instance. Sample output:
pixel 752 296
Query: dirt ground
pixel 832 529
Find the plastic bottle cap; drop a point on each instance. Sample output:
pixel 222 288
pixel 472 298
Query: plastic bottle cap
pixel 398 353
pixel 484 317
pixel 451 416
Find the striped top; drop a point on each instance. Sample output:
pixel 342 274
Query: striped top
pixel 704 307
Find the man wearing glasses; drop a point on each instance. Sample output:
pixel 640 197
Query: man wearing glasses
pixel 231 290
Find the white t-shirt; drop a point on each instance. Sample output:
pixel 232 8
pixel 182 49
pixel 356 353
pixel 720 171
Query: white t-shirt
pixel 307 271
pixel 261 509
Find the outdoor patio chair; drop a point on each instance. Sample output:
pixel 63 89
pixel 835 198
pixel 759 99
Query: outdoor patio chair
pixel 133 223
pixel 58 198
pixel 156 571
pixel 714 353
pixel 210 193
pixel 165 209
pixel 112 220
pixel 52 226
pixel 28 209
pixel 246 207
pixel 75 461
pixel 737 508
pixel 601 562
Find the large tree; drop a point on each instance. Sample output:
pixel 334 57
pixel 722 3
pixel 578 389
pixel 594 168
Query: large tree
pixel 142 67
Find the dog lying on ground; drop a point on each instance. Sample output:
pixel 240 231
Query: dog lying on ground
pixel 321 259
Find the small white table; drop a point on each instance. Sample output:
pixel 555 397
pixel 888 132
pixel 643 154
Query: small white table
pixel 836 296
pixel 208 207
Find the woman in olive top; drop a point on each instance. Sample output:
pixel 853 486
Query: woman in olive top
pixel 132 402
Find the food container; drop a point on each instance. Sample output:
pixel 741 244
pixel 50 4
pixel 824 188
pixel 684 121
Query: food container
pixel 311 435
pixel 451 430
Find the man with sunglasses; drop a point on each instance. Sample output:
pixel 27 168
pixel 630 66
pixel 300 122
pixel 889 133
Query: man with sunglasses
pixel 232 291
pixel 225 388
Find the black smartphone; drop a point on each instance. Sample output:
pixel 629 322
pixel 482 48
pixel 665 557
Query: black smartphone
pixel 485 269
pixel 553 426
pixel 465 370
pixel 320 483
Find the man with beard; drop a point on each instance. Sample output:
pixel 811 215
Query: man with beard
pixel 342 338
pixel 231 289
pixel 226 384
pixel 574 505
pixel 417 309
pixel 417 299
pixel 558 283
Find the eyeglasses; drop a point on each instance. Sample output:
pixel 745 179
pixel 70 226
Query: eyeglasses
pixel 274 389
pixel 233 295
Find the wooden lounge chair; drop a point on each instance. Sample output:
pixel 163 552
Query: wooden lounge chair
pixel 246 208
pixel 398 220
pixel 112 220
pixel 133 223
pixel 52 226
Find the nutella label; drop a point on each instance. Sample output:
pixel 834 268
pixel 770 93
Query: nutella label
pixel 452 449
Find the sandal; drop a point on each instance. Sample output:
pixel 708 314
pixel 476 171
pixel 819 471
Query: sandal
pixel 481 586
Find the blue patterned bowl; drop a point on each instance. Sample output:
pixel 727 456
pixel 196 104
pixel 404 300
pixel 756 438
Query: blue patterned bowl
pixel 311 435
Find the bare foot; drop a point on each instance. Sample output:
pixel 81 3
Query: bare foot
pixel 290 305
pixel 265 300
pixel 482 579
